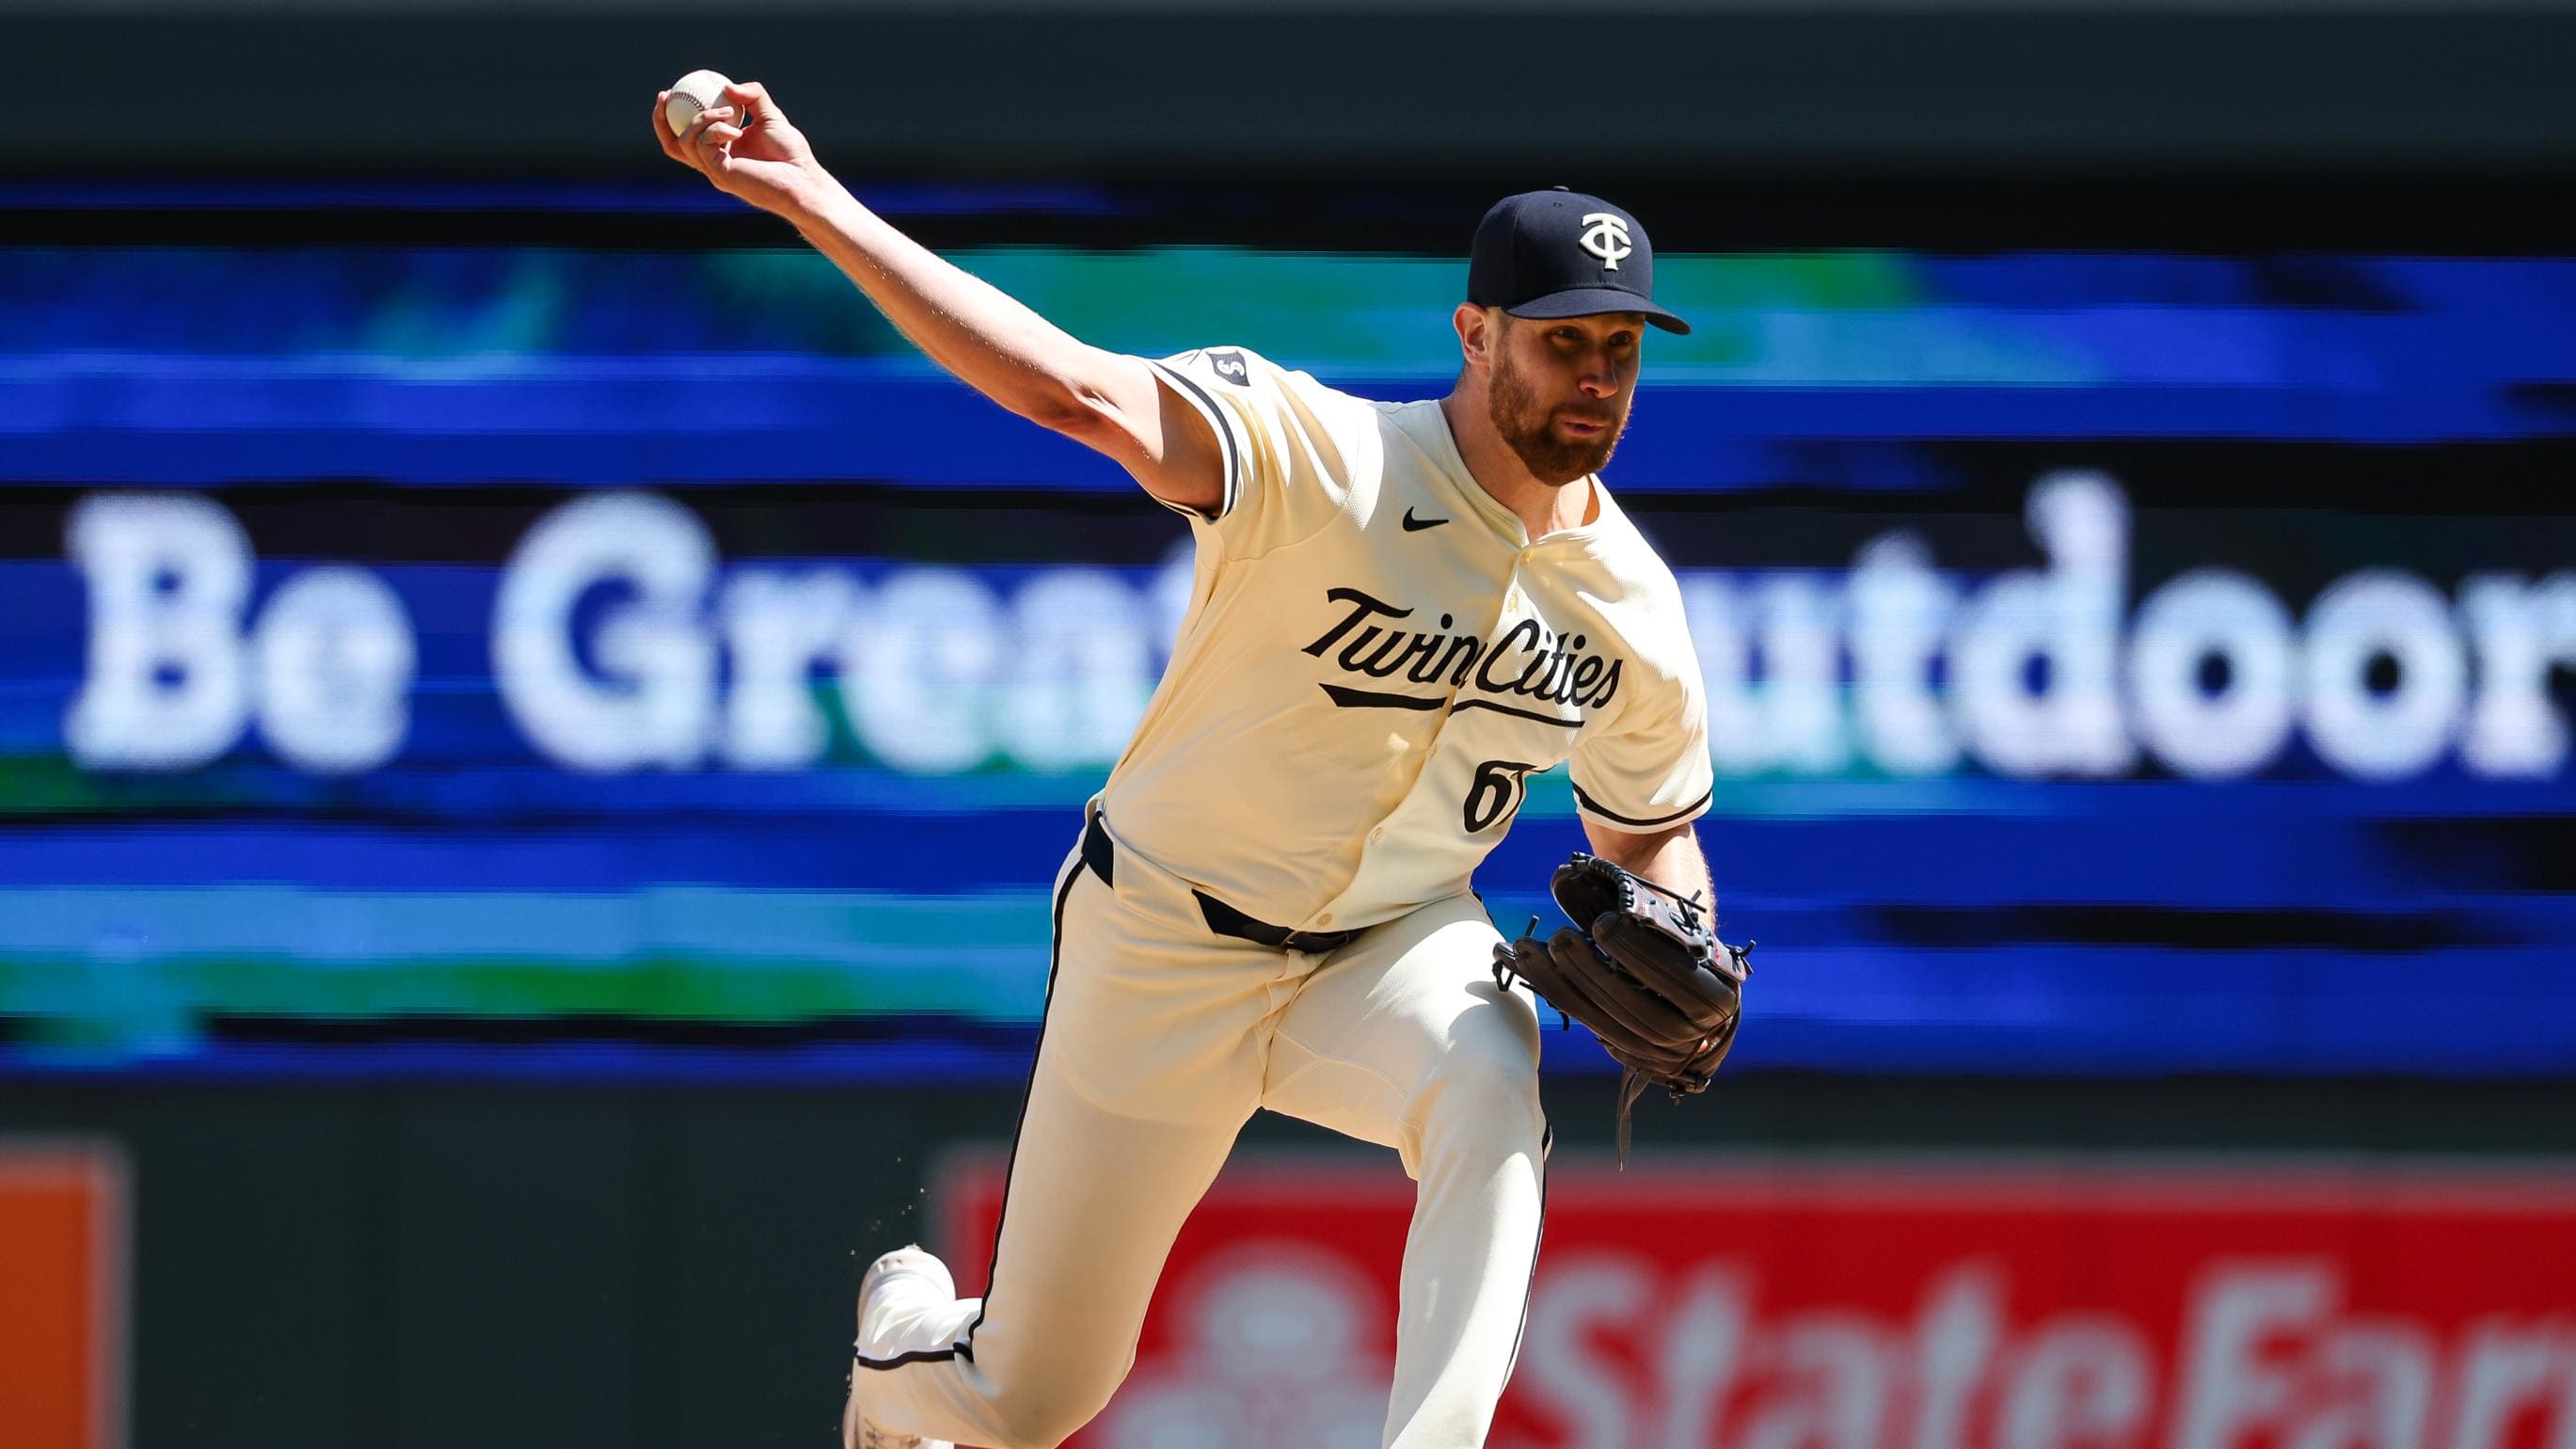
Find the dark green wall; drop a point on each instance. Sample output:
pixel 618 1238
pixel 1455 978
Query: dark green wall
pixel 1263 89
pixel 409 1267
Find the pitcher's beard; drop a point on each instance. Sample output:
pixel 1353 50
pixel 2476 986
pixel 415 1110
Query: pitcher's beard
pixel 1528 428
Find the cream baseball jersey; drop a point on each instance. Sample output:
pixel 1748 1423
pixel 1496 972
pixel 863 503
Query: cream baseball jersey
pixel 1377 656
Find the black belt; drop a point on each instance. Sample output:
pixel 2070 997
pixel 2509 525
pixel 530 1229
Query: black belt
pixel 1225 920
pixel 1102 856
pixel 1098 853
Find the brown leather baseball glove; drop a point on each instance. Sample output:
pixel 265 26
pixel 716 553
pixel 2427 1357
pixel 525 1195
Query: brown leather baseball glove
pixel 1643 969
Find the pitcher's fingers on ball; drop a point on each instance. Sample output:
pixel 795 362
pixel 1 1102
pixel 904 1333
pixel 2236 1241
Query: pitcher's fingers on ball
pixel 696 135
pixel 712 131
pixel 750 99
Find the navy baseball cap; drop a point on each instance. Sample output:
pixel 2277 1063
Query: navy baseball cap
pixel 1560 253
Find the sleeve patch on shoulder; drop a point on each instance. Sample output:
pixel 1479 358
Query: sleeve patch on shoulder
pixel 1230 366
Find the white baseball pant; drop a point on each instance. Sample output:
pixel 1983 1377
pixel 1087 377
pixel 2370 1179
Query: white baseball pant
pixel 1160 1038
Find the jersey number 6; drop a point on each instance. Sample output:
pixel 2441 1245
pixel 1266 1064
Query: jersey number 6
pixel 1496 792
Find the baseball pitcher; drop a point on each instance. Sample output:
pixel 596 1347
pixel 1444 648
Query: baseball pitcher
pixel 1399 613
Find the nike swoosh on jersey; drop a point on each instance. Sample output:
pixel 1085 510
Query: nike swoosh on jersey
pixel 1416 525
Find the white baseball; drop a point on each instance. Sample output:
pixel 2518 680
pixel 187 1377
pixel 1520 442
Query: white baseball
pixel 699 90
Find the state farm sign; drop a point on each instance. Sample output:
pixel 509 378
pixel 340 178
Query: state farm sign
pixel 1894 1305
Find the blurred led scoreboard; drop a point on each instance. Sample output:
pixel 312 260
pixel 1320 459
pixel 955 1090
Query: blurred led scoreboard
pixel 529 659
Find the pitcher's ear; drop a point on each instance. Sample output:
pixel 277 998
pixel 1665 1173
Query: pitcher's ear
pixel 1479 329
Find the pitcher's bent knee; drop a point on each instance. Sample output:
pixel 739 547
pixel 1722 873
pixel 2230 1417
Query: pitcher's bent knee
pixel 1493 1046
pixel 1039 1411
pixel 1484 1086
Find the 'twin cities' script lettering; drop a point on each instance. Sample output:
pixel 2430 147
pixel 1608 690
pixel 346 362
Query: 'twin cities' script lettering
pixel 620 640
pixel 1552 667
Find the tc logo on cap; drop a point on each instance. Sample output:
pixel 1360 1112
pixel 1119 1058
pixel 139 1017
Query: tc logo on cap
pixel 1564 254
pixel 1605 236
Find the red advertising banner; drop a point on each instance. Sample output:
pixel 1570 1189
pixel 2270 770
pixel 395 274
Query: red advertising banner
pixel 1891 1304
pixel 62 1297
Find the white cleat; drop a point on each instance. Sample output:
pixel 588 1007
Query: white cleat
pixel 893 1294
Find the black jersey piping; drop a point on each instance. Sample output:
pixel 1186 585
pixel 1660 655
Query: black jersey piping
pixel 1224 440
pixel 1529 1294
pixel 1595 806
pixel 965 1347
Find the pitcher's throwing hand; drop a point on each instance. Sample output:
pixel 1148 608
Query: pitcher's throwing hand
pixel 745 146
